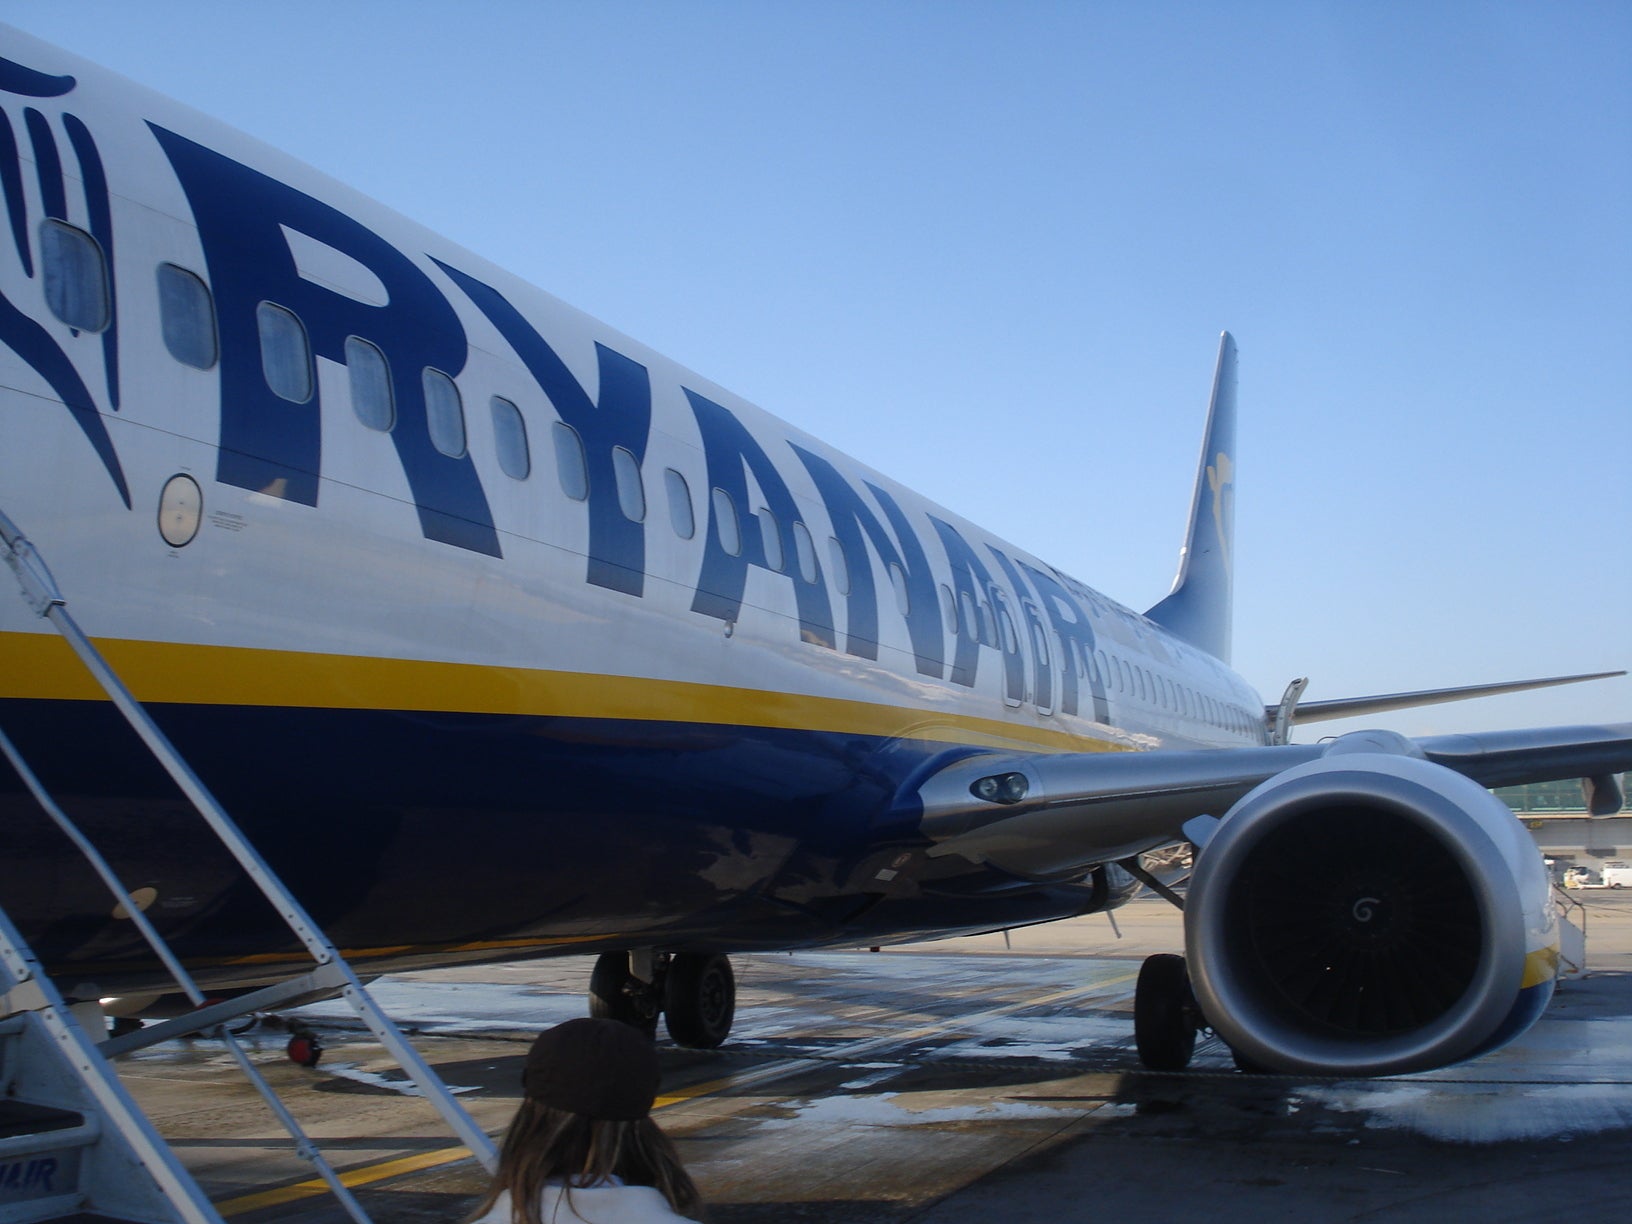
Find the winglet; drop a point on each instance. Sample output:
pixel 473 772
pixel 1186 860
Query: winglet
pixel 1198 609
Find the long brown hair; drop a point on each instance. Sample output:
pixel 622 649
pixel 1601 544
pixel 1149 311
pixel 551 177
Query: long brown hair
pixel 544 1143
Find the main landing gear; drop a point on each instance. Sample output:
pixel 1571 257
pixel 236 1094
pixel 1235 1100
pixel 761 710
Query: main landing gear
pixel 694 992
pixel 1166 1018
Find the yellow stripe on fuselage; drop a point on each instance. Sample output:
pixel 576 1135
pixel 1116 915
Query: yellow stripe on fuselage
pixel 42 667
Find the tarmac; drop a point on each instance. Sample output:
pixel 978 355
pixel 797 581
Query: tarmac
pixel 946 1083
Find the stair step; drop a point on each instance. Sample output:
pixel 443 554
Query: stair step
pixel 25 1118
pixel 43 1210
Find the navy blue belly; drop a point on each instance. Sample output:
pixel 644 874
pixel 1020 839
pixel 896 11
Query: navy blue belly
pixel 425 837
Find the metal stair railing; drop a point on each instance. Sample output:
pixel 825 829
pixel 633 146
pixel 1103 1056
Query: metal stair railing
pixel 25 990
pixel 332 972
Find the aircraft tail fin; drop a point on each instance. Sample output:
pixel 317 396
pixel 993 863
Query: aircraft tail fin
pixel 1198 609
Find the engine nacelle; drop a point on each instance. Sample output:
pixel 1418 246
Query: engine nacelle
pixel 1369 914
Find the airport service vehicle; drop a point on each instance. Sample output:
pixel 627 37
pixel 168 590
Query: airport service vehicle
pixel 501 635
pixel 1616 875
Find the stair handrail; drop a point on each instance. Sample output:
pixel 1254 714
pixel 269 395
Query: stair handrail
pixel 40 591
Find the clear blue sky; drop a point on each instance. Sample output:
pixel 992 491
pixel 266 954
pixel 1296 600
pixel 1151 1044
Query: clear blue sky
pixel 988 248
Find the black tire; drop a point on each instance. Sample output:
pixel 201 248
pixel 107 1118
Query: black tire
pixel 1164 1014
pixel 615 994
pixel 1246 1066
pixel 699 1000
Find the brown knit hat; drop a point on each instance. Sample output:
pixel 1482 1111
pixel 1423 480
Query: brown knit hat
pixel 602 1069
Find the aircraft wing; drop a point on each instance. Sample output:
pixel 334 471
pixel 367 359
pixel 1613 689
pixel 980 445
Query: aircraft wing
pixel 1045 816
pixel 1383 703
pixel 1509 758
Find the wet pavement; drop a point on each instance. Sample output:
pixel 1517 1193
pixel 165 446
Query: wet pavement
pixel 946 1083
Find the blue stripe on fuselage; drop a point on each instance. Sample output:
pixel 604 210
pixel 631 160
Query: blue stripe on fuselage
pixel 413 830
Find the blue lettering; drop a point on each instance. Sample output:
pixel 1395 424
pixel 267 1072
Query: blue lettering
pixel 36 1175
pixel 732 454
pixel 855 526
pixel 270 444
pixel 617 547
pixel 970 581
pixel 1076 634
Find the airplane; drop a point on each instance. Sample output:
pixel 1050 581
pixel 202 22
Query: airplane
pixel 500 635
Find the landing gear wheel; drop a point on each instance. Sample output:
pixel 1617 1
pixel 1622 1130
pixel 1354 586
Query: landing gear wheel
pixel 617 994
pixel 699 999
pixel 1246 1066
pixel 1165 1016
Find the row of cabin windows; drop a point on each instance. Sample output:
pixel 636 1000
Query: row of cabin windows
pixel 76 290
pixel 976 618
pixel 76 287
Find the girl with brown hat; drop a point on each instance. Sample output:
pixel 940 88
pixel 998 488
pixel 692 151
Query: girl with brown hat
pixel 583 1148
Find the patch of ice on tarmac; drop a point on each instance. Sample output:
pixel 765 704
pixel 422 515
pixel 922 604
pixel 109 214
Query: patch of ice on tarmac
pixel 392 1083
pixel 464 1007
pixel 1054 1038
pixel 889 1072
pixel 1484 1113
pixel 897 1109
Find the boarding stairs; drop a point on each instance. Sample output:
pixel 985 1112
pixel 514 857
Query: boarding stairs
pixel 74 1145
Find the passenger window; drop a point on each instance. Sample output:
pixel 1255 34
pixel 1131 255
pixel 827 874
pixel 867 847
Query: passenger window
pixel 444 413
pixel 286 355
pixel 805 552
pixel 966 608
pixel 510 438
pixel 1039 642
pixel 949 609
pixel 903 598
pixel 770 535
pixel 569 461
pixel 76 276
pixel 681 516
pixel 726 527
pixel 370 377
pixel 1011 643
pixel 187 317
pixel 839 565
pixel 631 491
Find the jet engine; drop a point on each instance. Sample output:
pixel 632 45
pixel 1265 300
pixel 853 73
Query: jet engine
pixel 1369 913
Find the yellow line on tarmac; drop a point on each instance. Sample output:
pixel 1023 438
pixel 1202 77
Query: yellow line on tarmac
pixel 356 1177
pixel 368 1174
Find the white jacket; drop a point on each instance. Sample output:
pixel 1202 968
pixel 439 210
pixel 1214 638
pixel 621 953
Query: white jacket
pixel 600 1205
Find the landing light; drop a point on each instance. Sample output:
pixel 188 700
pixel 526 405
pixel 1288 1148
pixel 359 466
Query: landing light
pixel 1001 788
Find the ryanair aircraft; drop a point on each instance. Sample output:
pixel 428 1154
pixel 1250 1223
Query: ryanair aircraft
pixel 500 635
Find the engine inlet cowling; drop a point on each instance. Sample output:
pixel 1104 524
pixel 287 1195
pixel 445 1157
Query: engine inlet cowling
pixel 1365 914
